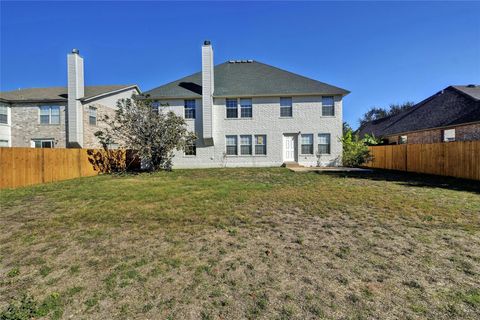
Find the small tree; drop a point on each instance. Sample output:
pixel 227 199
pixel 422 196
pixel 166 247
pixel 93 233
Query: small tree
pixel 355 150
pixel 153 134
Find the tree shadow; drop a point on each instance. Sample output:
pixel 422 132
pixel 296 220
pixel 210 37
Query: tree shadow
pixel 411 179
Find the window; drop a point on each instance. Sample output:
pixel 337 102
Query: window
pixel 328 108
pixel 449 135
pixel 231 145
pixel 324 143
pixel 285 107
pixel 307 143
pixel 189 109
pixel 155 106
pixel 246 108
pixel 43 143
pixel 402 139
pixel 261 144
pixel 245 145
pixel 191 149
pixel 4 114
pixel 232 108
pixel 50 115
pixel 92 116
pixel 3 143
pixel 111 146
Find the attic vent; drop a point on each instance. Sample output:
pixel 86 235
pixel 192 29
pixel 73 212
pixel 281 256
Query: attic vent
pixel 471 86
pixel 240 61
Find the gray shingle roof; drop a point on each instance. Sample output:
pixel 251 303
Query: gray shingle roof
pixel 245 79
pixel 56 93
pixel 448 107
pixel 472 90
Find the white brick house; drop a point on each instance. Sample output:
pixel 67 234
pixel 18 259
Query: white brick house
pixel 59 117
pixel 246 113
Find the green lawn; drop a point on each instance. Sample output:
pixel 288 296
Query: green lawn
pixel 242 243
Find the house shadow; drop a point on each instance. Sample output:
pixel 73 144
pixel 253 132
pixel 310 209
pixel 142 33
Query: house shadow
pixel 411 179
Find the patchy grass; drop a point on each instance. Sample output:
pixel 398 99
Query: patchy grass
pixel 242 243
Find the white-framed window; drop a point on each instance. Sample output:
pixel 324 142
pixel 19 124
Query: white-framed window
pixel 191 149
pixel 286 107
pixel 49 114
pixel 402 139
pixel 4 143
pixel 190 109
pixel 449 135
pixel 324 143
pixel 245 108
pixel 42 143
pixel 232 108
pixel 92 116
pixel 328 106
pixel 260 144
pixel 3 114
pixel 307 143
pixel 231 142
pixel 155 106
pixel 246 145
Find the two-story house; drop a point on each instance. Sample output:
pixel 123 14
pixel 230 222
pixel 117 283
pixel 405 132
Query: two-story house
pixel 247 113
pixel 59 117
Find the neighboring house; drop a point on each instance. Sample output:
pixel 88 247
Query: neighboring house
pixel 452 114
pixel 59 117
pixel 246 113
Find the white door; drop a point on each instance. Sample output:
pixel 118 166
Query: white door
pixel 288 148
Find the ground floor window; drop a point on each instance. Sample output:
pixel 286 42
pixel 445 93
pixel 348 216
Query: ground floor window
pixel 245 145
pixel 42 143
pixel 231 142
pixel 3 143
pixel 449 135
pixel 324 143
pixel 307 143
pixel 261 144
pixel 191 149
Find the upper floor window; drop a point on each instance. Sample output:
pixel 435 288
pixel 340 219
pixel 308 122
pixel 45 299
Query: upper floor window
pixel 246 108
pixel 328 107
pixel 92 116
pixel 4 114
pixel 4 143
pixel 50 115
pixel 449 135
pixel 285 107
pixel 261 144
pixel 42 143
pixel 231 142
pixel 307 143
pixel 245 145
pixel 232 108
pixel 324 143
pixel 190 109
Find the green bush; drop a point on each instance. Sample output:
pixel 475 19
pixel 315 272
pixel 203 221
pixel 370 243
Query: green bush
pixel 355 150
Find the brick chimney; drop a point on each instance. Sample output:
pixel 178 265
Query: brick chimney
pixel 207 92
pixel 76 91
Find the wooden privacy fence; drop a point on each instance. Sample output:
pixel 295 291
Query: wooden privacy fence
pixel 27 166
pixel 456 159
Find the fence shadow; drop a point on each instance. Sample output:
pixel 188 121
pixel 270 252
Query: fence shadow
pixel 412 179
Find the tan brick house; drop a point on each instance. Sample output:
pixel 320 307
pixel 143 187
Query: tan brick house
pixel 59 117
pixel 452 114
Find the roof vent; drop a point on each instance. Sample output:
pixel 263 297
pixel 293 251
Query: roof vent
pixel 471 86
pixel 250 61
pixel 75 51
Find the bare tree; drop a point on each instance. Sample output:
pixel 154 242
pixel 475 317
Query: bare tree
pixel 153 133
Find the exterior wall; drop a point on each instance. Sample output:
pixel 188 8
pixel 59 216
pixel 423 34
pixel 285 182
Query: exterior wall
pixel 105 106
pixel 26 125
pixel 6 128
pixel 266 120
pixel 467 132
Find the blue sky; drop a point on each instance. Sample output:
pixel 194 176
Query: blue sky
pixel 383 52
